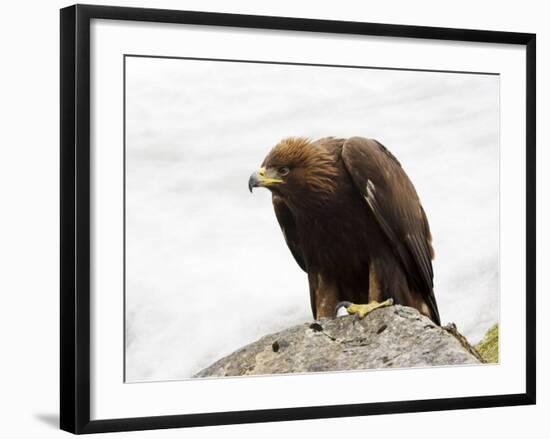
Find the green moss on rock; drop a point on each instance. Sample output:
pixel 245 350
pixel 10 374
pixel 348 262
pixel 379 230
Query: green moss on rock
pixel 488 347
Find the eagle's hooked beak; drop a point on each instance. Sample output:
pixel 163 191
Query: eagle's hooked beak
pixel 263 178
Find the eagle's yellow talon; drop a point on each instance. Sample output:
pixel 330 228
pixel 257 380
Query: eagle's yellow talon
pixel 362 310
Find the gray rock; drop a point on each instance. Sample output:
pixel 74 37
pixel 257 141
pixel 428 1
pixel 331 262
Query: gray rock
pixel 395 336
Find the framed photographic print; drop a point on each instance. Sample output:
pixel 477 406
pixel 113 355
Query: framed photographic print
pixel 384 262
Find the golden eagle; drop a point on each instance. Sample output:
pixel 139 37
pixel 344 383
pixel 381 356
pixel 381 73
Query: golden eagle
pixel 354 223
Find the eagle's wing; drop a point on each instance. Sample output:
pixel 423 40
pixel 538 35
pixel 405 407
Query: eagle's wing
pixel 393 199
pixel 288 226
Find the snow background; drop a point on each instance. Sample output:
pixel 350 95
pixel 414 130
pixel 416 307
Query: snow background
pixel 201 252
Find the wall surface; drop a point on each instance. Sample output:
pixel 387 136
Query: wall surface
pixel 29 249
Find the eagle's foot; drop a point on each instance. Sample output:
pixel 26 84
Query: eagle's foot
pixel 361 310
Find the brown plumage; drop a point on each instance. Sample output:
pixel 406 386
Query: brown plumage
pixel 353 222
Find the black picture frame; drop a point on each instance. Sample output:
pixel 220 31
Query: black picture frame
pixel 75 217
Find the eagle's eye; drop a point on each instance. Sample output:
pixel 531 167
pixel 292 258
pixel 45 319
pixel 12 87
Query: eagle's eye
pixel 283 171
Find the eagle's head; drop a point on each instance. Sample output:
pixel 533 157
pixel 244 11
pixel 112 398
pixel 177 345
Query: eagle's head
pixel 296 168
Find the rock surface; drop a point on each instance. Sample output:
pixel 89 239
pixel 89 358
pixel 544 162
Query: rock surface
pixel 488 347
pixel 395 336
